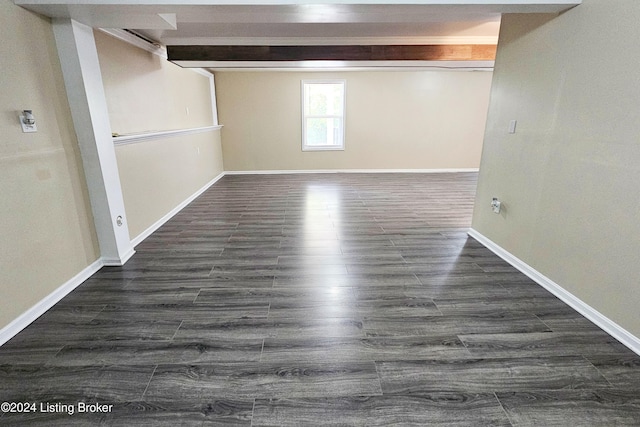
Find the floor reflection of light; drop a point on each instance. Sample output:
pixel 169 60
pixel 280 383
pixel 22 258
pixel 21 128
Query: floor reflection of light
pixel 331 294
pixel 318 221
pixel 334 302
pixel 336 291
pixel 440 277
pixel 321 223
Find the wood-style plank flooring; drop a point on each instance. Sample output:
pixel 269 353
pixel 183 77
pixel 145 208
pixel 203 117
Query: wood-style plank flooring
pixel 334 299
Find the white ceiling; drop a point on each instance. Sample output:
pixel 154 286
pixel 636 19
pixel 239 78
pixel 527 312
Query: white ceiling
pixel 328 24
pixel 300 22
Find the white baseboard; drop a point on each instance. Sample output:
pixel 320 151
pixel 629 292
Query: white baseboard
pixel 118 262
pixel 26 318
pixel 146 233
pixel 600 320
pixel 299 171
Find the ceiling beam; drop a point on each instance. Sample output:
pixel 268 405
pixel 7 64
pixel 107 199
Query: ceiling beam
pixel 467 52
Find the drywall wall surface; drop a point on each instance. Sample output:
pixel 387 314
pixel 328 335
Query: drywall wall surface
pixel 46 225
pixel 146 93
pixel 158 175
pixel 568 178
pixel 394 120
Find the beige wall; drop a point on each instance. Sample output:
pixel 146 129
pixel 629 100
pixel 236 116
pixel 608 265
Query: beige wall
pixel 394 120
pixel 146 93
pixel 160 174
pixel 46 227
pixel 569 177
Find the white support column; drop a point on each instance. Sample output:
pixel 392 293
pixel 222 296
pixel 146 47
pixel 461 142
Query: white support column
pixel 83 81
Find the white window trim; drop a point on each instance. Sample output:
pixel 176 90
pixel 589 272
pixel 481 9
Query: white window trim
pixel 306 147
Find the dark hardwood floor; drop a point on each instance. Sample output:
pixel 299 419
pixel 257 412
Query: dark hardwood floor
pixel 334 299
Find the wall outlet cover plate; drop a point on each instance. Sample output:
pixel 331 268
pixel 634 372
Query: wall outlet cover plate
pixel 27 128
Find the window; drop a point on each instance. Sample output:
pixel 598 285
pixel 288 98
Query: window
pixel 323 114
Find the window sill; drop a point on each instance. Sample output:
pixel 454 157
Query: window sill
pixel 323 148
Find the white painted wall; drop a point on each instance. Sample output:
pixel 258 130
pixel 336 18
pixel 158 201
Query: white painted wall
pixel 394 120
pixel 569 176
pixel 146 93
pixel 47 234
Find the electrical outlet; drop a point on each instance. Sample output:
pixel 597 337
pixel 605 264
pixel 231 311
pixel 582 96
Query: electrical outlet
pixel 496 205
pixel 27 127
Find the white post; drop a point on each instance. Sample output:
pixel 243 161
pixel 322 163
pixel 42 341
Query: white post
pixel 83 81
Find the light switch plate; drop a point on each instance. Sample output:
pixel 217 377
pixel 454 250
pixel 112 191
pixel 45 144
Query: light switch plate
pixel 512 126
